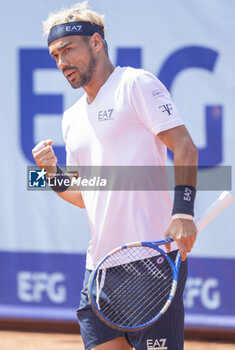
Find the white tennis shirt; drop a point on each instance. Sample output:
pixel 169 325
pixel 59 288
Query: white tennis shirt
pixel 118 129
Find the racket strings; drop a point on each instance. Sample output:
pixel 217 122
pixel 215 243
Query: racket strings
pixel 130 254
pixel 151 277
pixel 146 288
pixel 139 312
pixel 149 301
pixel 136 310
pixel 151 304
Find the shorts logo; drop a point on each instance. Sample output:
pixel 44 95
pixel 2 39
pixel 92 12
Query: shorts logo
pixel 104 115
pixel 159 344
pixel 73 28
pixel 167 108
pixel 37 178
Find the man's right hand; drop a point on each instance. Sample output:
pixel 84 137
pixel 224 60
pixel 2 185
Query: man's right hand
pixel 45 157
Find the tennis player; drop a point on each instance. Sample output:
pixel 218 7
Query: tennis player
pixel 125 118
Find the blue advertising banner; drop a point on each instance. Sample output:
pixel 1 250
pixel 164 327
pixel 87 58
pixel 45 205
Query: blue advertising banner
pixel 209 297
pixel 47 287
pixel 40 286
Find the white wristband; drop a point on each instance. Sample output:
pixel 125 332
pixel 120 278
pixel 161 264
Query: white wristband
pixel 182 216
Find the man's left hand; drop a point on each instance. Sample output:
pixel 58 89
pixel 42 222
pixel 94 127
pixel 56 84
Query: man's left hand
pixel 184 233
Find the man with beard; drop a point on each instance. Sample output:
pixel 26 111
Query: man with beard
pixel 125 118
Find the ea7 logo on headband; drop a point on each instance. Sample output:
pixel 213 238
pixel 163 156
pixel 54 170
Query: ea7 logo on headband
pixel 73 28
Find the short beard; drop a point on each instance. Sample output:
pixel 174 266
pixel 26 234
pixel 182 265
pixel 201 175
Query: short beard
pixel 85 77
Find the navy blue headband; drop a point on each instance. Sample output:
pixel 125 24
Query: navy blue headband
pixel 74 28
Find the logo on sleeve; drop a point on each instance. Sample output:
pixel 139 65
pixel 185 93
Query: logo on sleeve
pixel 106 114
pixel 158 93
pixel 167 108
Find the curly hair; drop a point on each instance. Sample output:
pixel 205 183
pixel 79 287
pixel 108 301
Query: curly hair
pixel 78 12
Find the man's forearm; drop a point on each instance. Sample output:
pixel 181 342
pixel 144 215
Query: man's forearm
pixel 74 197
pixel 64 189
pixel 185 162
pixel 179 141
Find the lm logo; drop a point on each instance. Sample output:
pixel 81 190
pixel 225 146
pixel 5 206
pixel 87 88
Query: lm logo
pixel 37 178
pixel 105 115
pixel 159 344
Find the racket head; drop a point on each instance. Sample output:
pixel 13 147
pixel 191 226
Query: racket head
pixel 133 286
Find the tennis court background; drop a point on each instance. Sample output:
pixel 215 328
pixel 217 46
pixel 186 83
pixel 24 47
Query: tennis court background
pixel 190 46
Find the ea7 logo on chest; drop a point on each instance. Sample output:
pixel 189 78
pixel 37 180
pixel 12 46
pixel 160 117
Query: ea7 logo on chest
pixel 106 114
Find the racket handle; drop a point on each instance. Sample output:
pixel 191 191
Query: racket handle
pixel 214 209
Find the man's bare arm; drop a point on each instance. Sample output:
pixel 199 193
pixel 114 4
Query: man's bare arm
pixel 179 141
pixel 72 196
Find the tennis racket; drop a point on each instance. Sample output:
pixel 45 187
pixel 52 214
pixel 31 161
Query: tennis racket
pixel 134 285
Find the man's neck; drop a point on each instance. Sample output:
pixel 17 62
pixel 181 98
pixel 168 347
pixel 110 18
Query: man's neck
pixel 103 71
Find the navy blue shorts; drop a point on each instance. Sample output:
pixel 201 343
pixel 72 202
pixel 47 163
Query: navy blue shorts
pixel 166 333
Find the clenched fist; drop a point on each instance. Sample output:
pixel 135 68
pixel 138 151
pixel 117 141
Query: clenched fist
pixel 45 157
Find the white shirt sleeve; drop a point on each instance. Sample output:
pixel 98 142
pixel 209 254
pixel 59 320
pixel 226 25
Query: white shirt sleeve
pixel 153 103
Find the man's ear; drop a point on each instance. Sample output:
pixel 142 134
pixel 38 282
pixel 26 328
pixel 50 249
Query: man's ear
pixel 96 42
